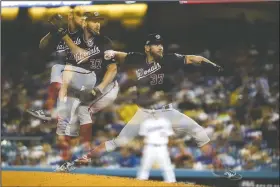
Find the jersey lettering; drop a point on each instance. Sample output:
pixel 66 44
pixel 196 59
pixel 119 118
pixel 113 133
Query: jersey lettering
pixel 141 73
pixel 62 45
pixel 152 129
pixel 93 51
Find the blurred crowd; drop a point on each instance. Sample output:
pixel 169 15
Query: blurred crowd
pixel 239 109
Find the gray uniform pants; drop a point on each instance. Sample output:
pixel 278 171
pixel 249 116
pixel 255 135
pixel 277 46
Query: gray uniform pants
pixel 70 113
pixel 181 124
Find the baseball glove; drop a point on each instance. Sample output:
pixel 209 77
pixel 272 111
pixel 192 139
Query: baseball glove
pixel 87 96
pixel 58 25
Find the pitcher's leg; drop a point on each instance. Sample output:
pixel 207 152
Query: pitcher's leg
pixel 184 125
pixel 53 89
pixel 109 96
pixel 67 125
pixel 85 126
pixel 129 132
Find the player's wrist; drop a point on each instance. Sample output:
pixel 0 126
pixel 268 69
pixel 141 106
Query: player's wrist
pixel 65 36
pixel 61 32
pixel 96 92
pixel 101 87
pixel 58 33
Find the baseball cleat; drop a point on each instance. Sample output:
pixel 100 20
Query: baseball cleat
pixel 85 160
pixel 230 174
pixel 40 114
pixel 66 167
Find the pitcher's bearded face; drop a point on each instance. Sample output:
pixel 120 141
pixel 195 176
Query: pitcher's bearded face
pixel 156 50
pixel 94 26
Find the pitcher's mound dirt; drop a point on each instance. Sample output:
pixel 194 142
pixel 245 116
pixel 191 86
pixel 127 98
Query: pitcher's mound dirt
pixel 20 178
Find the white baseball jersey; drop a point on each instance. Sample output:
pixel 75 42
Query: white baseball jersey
pixel 156 131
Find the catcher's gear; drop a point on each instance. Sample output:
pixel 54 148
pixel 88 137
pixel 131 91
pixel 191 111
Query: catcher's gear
pixel 58 25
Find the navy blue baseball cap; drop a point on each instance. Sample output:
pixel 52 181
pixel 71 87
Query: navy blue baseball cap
pixel 90 16
pixel 154 39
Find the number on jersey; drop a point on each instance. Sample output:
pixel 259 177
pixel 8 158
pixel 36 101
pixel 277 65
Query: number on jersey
pixel 156 79
pixel 95 63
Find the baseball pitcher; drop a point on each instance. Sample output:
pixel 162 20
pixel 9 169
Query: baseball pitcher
pixel 68 111
pixel 52 42
pixel 96 75
pixel 154 69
